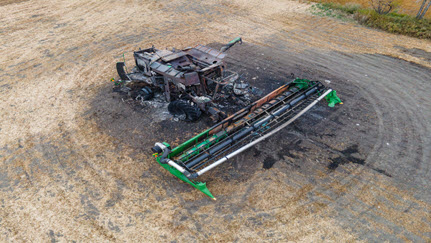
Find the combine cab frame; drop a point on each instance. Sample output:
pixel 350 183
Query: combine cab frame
pixel 191 79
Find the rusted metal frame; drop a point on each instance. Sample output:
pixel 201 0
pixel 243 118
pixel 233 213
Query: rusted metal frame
pixel 217 84
pixel 167 89
pixel 249 109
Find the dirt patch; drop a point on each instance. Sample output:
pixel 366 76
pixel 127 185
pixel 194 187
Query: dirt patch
pixel 416 53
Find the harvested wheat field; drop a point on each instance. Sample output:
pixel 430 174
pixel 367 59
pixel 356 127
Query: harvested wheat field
pixel 75 160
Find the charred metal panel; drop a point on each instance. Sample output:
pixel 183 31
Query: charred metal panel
pixel 207 55
pixel 163 53
pixel 173 56
pixel 211 51
pixel 142 61
pixel 182 62
pixel 191 78
pixel 155 65
pixel 173 72
pixel 163 69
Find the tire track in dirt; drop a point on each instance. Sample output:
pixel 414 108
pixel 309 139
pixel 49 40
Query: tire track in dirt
pixel 394 123
pixel 388 136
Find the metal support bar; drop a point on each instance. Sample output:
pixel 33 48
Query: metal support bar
pixel 242 149
pixel 178 167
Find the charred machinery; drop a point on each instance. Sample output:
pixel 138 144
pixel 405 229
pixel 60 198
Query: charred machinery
pixel 190 79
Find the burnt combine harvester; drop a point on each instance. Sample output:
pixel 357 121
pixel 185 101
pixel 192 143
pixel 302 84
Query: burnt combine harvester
pixel 192 80
pixel 241 131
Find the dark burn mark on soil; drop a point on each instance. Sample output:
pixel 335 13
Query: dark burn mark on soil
pixel 263 68
pixel 268 162
pixel 256 152
pixel 346 158
pixel 287 150
pixel 382 172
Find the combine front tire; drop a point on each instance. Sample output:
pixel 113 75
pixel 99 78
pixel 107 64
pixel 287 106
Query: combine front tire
pixel 184 110
pixel 121 72
pixel 143 94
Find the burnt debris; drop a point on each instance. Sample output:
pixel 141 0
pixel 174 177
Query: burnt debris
pixel 193 81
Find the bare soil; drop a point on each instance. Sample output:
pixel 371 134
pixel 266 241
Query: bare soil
pixel 75 159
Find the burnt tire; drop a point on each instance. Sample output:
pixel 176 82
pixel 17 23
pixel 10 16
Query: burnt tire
pixel 145 94
pixel 184 110
pixel 121 72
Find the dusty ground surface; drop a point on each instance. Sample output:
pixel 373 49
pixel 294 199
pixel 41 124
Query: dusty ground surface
pixel 75 159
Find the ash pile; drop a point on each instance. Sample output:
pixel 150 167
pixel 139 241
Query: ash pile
pixel 188 82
